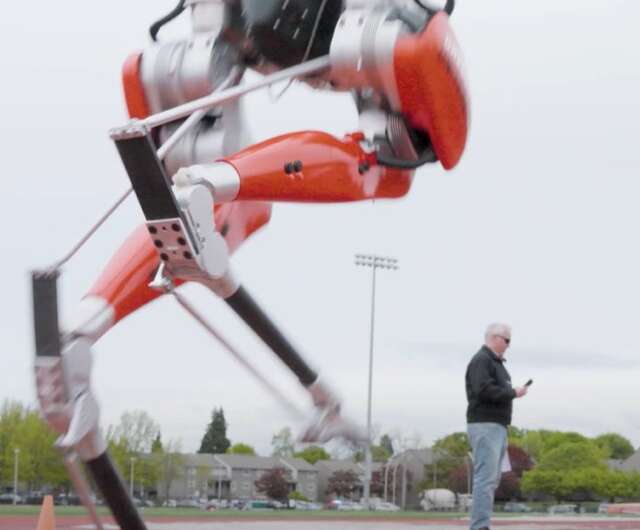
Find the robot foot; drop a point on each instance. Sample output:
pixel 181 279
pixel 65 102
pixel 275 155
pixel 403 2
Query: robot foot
pixel 329 424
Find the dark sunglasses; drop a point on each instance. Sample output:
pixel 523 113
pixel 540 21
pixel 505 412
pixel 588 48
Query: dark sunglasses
pixel 507 340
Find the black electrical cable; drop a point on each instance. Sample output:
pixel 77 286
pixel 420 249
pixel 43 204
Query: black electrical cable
pixel 426 8
pixel 155 27
pixel 398 163
pixel 448 8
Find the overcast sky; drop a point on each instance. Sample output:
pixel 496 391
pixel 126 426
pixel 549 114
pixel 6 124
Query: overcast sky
pixel 537 226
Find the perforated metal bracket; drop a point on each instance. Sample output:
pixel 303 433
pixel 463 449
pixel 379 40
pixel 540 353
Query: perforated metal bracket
pixel 173 235
pixel 176 250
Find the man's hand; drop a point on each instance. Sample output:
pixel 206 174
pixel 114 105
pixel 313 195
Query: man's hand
pixel 521 391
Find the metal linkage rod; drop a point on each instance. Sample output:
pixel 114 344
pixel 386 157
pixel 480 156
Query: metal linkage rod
pixel 238 356
pixel 171 142
pixel 299 70
pixel 233 77
pixel 87 236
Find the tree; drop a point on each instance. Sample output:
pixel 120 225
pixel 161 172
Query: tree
pixel 531 441
pixel 172 466
pixel 449 453
pixel 570 467
pixel 614 485
pixel 573 455
pixel 378 454
pixel 459 479
pixel 581 484
pixel 402 442
pixel 120 453
pixel 635 481
pixel 282 443
pixel 520 460
pixel 295 495
pixel 342 483
pixel 241 449
pixel 376 486
pixel 312 454
pixel 509 487
pixel 617 446
pixel 215 439
pixel 551 440
pixel 148 472
pixel 274 484
pixel 456 444
pixel 536 443
pixel 135 436
pixel 136 430
pixel 156 446
pixel 387 444
pixel 540 481
pixel 40 462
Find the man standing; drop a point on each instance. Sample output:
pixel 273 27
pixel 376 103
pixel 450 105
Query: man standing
pixel 490 396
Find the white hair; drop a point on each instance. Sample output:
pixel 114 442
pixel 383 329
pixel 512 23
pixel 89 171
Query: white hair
pixel 497 328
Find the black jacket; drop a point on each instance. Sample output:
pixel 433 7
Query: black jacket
pixel 489 390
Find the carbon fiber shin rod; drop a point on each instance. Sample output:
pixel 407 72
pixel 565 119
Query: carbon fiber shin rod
pixel 249 311
pixel 115 494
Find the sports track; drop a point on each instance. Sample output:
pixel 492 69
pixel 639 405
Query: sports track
pixel 289 523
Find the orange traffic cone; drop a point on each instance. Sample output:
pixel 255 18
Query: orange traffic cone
pixel 47 520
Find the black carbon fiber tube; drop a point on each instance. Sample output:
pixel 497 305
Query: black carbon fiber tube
pixel 247 309
pixel 44 287
pixel 113 491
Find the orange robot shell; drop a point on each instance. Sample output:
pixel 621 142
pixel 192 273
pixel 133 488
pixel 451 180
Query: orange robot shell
pixel 333 170
pixel 313 166
pixel 133 89
pixel 432 88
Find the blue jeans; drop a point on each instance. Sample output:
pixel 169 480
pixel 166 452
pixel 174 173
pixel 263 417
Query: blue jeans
pixel 489 444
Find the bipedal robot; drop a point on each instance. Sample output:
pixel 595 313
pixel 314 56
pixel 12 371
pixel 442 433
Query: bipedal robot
pixel 204 186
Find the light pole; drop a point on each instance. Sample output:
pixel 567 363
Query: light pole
pixel 374 262
pixel 435 468
pixel 16 453
pixel 132 460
